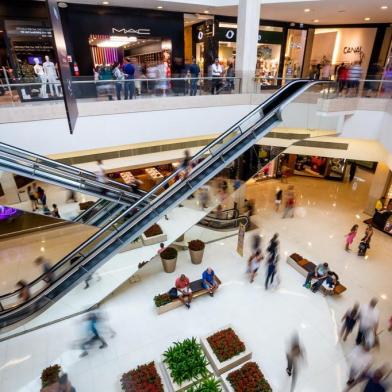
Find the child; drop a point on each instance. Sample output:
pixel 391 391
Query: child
pixel 254 264
pixel 349 319
pixel 350 237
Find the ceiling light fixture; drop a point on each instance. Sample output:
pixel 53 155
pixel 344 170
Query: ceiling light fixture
pixel 159 7
pixel 206 12
pixel 62 4
pixel 116 42
pixel 384 7
pixel 366 19
pixel 307 10
pixel 105 3
pixel 316 20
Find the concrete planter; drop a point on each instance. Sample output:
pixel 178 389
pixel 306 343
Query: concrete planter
pixel 223 367
pixel 157 239
pixel 196 256
pixel 169 265
pixel 133 245
pixel 174 387
pixel 225 382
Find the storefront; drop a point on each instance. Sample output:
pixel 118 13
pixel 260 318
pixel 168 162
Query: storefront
pixel 109 34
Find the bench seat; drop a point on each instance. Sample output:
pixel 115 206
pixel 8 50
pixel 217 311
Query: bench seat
pixel 197 290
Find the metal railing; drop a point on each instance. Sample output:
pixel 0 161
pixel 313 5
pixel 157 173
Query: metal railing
pixel 110 233
pixel 85 88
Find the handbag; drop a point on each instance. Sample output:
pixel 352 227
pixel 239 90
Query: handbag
pixel 173 293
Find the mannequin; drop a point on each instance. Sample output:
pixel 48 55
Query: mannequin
pixel 39 71
pixel 51 75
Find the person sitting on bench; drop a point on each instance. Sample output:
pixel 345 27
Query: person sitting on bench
pixel 184 290
pixel 209 281
pixel 328 283
pixel 319 273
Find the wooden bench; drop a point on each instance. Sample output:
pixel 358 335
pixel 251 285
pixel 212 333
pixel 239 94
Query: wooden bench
pixel 197 290
pixel 304 266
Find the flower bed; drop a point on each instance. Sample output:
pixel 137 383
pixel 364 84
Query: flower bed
pixel 248 378
pixel 226 344
pixel 153 235
pixel 225 350
pixel 185 364
pixel 144 378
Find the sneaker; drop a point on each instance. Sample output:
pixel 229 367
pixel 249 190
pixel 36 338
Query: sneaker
pixel 103 345
pixel 288 372
pixel 188 306
pixel 83 354
pixel 211 294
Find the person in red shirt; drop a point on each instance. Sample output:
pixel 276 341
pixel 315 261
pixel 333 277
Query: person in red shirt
pixel 184 290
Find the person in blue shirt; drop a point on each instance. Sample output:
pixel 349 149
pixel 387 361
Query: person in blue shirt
pixel 194 70
pixel 209 281
pixel 129 73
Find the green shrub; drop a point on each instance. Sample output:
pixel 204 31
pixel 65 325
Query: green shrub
pixel 209 384
pixel 153 231
pixel 169 253
pixel 196 245
pixel 186 361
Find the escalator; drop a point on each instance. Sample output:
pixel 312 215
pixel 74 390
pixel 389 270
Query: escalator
pixel 208 164
pixel 225 220
pixel 27 164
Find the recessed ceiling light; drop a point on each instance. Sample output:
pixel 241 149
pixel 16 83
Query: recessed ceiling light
pixel 316 20
pixel 206 12
pixel 62 4
pixel 341 11
pixel 105 3
pixel 159 7
pixel 367 19
pixel 384 7
pixel 307 10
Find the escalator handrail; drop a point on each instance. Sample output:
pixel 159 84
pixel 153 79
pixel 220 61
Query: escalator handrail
pixel 68 170
pixel 227 219
pixel 235 210
pixel 112 238
pixel 78 218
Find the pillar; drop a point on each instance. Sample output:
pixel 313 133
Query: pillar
pixel 11 194
pixel 378 187
pixel 248 24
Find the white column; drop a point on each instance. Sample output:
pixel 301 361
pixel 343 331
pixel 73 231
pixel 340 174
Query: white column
pixel 248 22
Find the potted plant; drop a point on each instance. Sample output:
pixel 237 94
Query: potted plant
pixel 154 235
pixel 143 378
pixel 209 384
pixel 169 259
pixel 196 251
pixel 50 375
pixel 162 299
pixel 185 364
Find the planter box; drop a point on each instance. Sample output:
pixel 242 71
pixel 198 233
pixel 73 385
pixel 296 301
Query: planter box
pixel 169 265
pixel 226 384
pixel 223 367
pixel 133 245
pixel 174 387
pixel 170 306
pixel 156 239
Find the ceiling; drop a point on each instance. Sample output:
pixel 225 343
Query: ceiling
pixel 325 11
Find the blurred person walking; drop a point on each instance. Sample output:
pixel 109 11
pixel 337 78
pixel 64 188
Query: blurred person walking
pixel 256 243
pixel 47 272
pixel 33 198
pixel 119 76
pixel 216 73
pixel 24 293
pixel 129 74
pixel 361 360
pixel 364 245
pixel 55 211
pixel 290 203
pixel 272 260
pixel 295 354
pixel 41 195
pixel 369 318
pixel 353 169
pixel 278 199
pixel 186 163
pixel 194 71
pixel 254 262
pixel 354 77
pixel 93 334
pixel 350 237
pixel 349 320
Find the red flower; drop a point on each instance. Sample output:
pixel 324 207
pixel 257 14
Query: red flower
pixel 225 344
pixel 144 378
pixel 248 379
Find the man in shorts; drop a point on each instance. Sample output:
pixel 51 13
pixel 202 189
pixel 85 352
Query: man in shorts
pixel 209 281
pixel 184 291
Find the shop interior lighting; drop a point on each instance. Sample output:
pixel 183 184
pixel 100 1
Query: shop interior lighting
pixel 307 10
pixel 116 42
pixel 384 7
pixel 316 20
pixel 366 19
pixel 105 3
pixel 159 7
pixel 206 12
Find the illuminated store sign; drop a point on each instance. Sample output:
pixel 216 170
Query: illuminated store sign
pixel 132 31
pixel 350 49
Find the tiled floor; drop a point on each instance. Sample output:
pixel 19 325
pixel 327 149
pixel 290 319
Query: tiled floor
pixel 266 320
